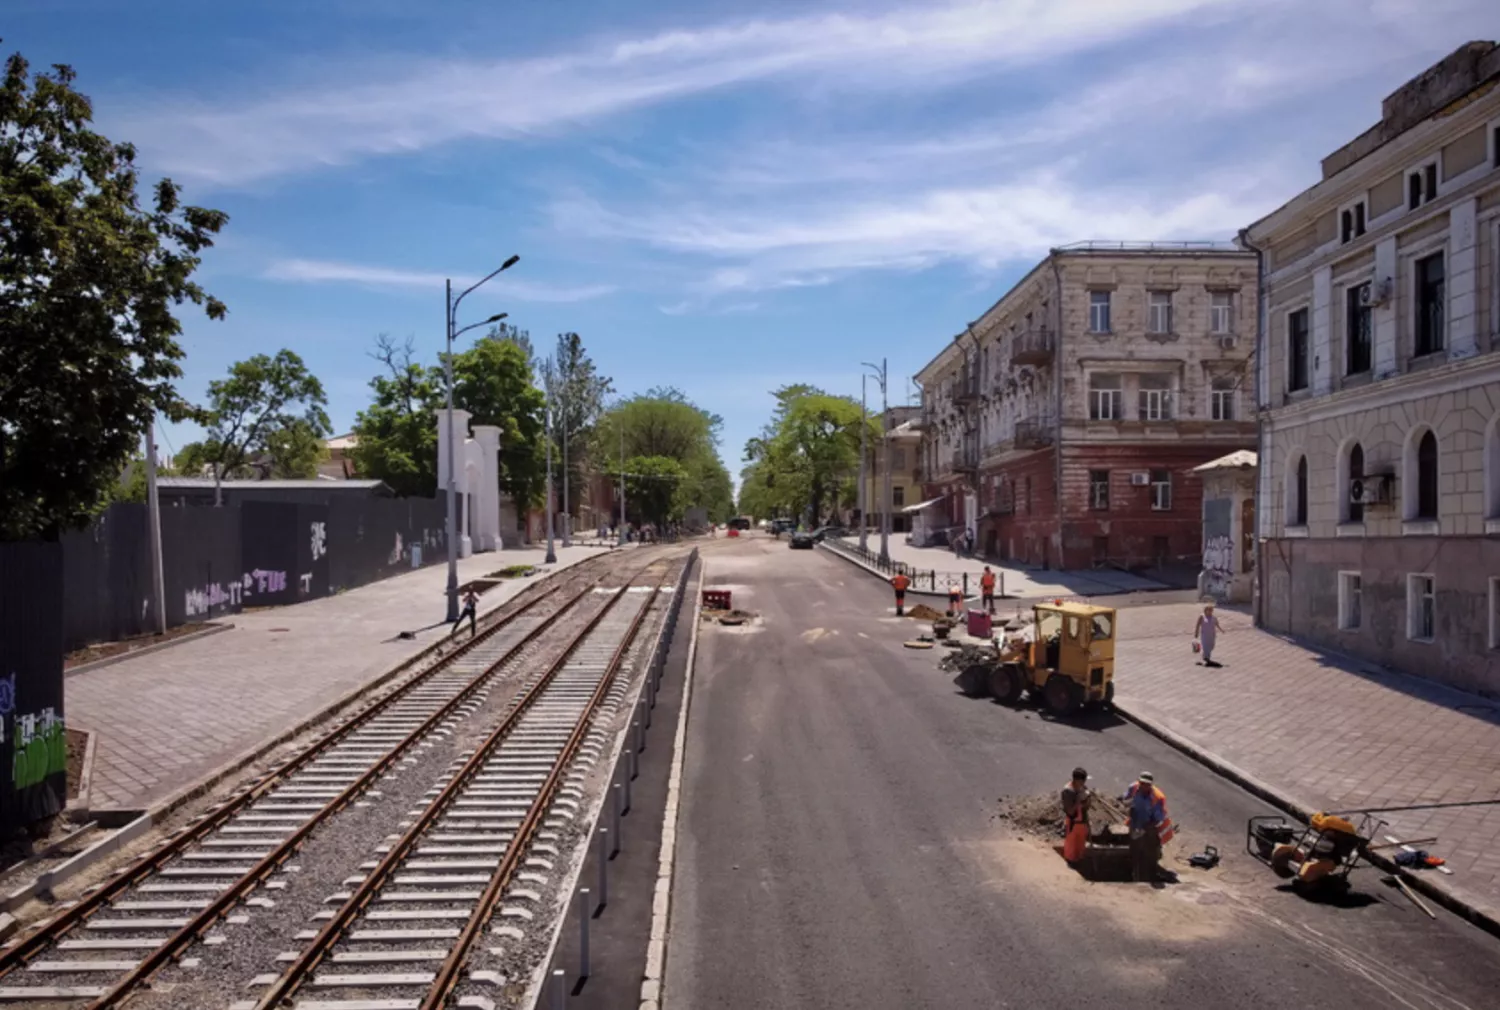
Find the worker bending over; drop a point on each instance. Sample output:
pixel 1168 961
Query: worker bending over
pixel 1150 828
pixel 899 582
pixel 955 600
pixel 1075 804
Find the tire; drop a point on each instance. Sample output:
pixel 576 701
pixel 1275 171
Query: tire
pixel 1006 685
pixel 1060 695
pixel 1109 697
pixel 974 681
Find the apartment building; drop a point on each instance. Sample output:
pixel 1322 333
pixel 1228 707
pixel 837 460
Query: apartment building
pixel 1063 426
pixel 1379 485
pixel 904 443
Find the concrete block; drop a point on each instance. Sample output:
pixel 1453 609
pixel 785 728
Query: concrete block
pixel 656 957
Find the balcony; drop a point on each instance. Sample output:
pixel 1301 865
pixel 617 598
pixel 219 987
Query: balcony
pixel 1033 348
pixel 966 390
pixel 1035 433
pixel 965 461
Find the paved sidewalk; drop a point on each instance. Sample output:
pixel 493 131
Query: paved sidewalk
pixel 165 720
pixel 1021 583
pixel 1327 733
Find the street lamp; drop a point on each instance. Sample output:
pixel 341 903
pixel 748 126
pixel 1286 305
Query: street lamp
pixel 879 374
pixel 450 315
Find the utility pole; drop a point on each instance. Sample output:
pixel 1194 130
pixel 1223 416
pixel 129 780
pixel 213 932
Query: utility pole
pixel 622 484
pixel 551 558
pixel 567 511
pixel 880 374
pixel 864 455
pixel 153 518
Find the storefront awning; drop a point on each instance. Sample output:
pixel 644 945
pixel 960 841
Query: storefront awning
pixel 922 505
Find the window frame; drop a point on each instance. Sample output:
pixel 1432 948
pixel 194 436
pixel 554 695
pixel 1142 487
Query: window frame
pixel 1421 588
pixel 1351 600
pixel 1222 399
pixel 1154 404
pixel 1421 315
pixel 1354 310
pixel 1095 305
pixel 1221 317
pixel 1299 357
pixel 1152 305
pixel 1100 394
pixel 1428 173
pixel 1294 505
pixel 1351 511
pixel 1354 220
pixel 1161 490
pixel 1099 490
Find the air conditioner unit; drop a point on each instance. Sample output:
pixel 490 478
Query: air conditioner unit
pixel 1140 480
pixel 1374 489
pixel 1227 342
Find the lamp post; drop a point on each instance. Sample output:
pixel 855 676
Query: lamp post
pixel 880 374
pixel 551 558
pixel 567 512
pixel 450 314
pixel 622 484
pixel 864 455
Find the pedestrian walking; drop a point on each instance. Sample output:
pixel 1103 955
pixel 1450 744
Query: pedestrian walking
pixel 471 611
pixel 899 582
pixel 1206 634
pixel 987 590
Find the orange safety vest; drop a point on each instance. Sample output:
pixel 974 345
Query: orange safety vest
pixel 987 581
pixel 1075 843
pixel 900 582
pixel 1165 830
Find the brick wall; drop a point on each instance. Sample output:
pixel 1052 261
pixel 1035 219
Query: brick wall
pixel 1029 534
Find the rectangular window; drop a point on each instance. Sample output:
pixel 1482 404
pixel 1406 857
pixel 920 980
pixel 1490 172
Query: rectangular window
pixel 898 459
pixel 1105 398
pixel 1421 607
pixel 1357 334
pixel 1161 312
pixel 1221 312
pixel 1099 490
pixel 1221 400
pixel 1155 398
pixel 1421 185
pixel 1431 293
pixel 1351 588
pixel 898 497
pixel 1352 223
pixel 1296 350
pixel 1099 311
pixel 1161 490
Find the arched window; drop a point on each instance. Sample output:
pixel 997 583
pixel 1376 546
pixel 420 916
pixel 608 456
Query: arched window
pixel 1492 469
pixel 1427 476
pixel 1296 492
pixel 1301 513
pixel 1355 510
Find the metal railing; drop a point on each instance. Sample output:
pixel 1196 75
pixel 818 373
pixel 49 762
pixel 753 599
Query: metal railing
pixel 929 579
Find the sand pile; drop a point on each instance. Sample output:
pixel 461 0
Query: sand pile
pixel 1040 816
pixel 922 612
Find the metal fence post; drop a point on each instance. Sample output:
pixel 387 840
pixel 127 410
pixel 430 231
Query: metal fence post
pixel 966 585
pixel 559 989
pixel 603 856
pixel 619 812
pixel 584 912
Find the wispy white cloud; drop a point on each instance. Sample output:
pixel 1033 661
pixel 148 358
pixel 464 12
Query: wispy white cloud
pixel 440 102
pixel 330 272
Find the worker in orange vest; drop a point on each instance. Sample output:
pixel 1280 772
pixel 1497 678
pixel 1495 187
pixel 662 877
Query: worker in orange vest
pixel 987 589
pixel 1150 827
pixel 899 582
pixel 1075 804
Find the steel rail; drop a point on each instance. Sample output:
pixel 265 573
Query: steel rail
pixel 291 980
pixel 269 863
pixel 17 957
pixel 448 974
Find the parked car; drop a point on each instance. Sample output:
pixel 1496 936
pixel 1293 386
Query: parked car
pixel 803 541
pixel 780 526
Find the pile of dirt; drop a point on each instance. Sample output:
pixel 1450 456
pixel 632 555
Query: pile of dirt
pixel 1039 816
pixel 923 612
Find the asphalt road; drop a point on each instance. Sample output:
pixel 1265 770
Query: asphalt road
pixel 839 845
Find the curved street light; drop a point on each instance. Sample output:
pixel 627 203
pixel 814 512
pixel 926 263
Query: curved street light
pixel 450 313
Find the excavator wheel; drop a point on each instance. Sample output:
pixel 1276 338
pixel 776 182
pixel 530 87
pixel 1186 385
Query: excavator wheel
pixel 1109 697
pixel 1060 695
pixel 974 681
pixel 1006 685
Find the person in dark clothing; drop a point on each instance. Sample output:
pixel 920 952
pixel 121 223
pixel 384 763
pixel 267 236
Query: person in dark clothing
pixel 471 611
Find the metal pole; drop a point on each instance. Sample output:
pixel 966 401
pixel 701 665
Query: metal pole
pixel 864 455
pixel 622 483
pixel 567 511
pixel 452 492
pixel 153 514
pixel 551 558
pixel 885 430
pixel 585 911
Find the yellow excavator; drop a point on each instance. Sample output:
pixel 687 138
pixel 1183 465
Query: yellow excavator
pixel 1064 656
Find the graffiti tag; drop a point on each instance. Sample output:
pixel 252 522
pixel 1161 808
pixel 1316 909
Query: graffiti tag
pixel 319 540
pixel 41 748
pixel 200 602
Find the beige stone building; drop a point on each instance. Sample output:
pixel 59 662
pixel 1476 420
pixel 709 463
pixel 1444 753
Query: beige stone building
pixel 1380 386
pixel 1063 425
pixel 904 442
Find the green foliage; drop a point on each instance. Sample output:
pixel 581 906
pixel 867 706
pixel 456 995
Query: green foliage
pixel 807 457
pixel 656 489
pixel 194 459
pixel 88 282
pixel 265 416
pixel 664 423
pixel 493 380
pixel 396 435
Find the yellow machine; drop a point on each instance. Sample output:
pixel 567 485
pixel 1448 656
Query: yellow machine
pixel 1067 663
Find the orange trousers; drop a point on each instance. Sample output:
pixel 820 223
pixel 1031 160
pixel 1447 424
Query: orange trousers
pixel 1075 841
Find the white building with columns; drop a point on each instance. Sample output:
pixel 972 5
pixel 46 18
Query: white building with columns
pixel 1379 386
pixel 477 465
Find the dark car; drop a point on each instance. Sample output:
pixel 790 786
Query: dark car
pixel 780 526
pixel 803 541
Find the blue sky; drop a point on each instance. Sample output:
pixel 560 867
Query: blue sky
pixel 722 196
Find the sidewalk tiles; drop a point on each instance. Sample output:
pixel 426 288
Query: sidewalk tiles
pixel 1327 733
pixel 165 720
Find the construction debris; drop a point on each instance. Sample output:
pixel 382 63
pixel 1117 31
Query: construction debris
pixel 923 612
pixel 1039 816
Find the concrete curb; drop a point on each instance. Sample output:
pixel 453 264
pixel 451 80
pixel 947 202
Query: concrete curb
pixel 1487 919
pixel 99 664
pixel 78 810
pixel 654 979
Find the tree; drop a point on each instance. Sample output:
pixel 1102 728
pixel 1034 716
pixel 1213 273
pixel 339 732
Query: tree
pixel 808 453
pixel 493 380
pixel 88 282
pixel 396 436
pixel 264 415
pixel 656 489
pixel 664 423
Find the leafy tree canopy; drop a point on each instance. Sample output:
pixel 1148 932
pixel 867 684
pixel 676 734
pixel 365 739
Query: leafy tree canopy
pixel 664 423
pixel 267 415
pixel 89 279
pixel 493 380
pixel 396 435
pixel 807 457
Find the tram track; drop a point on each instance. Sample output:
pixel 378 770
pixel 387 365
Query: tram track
pixel 104 947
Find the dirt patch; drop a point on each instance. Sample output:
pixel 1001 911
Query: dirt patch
pixel 105 650
pixel 922 612
pixel 1036 816
pixel 512 572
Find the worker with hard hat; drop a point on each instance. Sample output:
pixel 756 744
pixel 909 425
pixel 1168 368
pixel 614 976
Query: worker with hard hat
pixel 1150 827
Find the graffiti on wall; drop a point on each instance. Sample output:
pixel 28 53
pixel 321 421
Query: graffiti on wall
pixel 41 748
pixel 1218 547
pixel 200 602
pixel 319 540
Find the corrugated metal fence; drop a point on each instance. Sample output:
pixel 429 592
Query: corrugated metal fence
pixel 34 750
